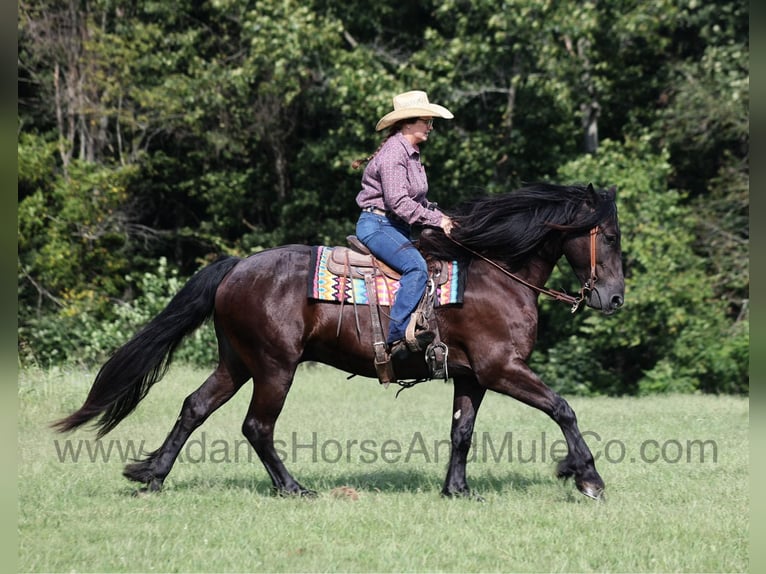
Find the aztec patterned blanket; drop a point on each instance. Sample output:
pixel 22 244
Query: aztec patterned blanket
pixel 325 285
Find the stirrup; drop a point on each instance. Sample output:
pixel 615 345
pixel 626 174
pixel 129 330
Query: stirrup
pixel 436 359
pixel 418 344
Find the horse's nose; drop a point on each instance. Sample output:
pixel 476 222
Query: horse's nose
pixel 617 301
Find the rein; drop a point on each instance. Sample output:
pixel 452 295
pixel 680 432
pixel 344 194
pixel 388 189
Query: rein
pixel 575 302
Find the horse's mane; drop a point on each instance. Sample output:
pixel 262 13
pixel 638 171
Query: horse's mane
pixel 511 227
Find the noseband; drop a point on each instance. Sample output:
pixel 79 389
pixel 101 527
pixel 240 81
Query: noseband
pixel 575 302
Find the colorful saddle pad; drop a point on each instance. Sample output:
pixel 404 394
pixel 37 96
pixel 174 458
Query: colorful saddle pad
pixel 325 285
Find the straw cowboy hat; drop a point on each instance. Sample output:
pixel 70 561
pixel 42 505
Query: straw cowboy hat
pixel 412 105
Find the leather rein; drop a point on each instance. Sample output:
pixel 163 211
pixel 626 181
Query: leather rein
pixel 575 302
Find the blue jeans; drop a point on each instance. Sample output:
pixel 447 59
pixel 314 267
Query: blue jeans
pixel 389 241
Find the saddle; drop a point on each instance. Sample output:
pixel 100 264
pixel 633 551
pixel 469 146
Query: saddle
pixel 356 261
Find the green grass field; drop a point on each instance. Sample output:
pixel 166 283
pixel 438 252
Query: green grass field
pixel 676 472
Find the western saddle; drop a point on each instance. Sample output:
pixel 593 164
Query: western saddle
pixel 356 261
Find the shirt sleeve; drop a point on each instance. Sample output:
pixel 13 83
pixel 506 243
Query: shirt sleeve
pixel 404 183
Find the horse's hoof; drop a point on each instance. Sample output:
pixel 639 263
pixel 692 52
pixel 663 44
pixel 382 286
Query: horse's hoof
pixel 150 488
pixel 464 494
pixel 154 485
pixel 299 493
pixel 594 491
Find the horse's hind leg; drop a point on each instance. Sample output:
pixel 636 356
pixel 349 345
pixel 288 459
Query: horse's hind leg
pixel 270 390
pixel 219 387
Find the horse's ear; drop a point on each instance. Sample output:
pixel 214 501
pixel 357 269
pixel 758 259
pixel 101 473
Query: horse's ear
pixel 591 197
pixel 612 192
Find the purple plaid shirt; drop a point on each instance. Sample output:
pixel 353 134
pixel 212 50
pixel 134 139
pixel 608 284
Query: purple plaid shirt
pixel 396 181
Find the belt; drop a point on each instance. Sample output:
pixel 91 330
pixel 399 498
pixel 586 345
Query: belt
pixel 375 210
pixel 389 214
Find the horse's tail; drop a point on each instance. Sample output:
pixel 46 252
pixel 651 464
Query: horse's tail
pixel 131 371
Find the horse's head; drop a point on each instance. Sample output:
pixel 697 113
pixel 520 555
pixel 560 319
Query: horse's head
pixel 596 255
pixel 543 220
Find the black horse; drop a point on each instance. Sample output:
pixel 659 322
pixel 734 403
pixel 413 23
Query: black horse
pixel 266 326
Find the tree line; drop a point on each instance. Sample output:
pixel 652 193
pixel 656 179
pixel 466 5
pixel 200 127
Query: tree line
pixel 154 135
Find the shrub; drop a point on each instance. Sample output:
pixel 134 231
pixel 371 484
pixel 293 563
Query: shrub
pixel 87 330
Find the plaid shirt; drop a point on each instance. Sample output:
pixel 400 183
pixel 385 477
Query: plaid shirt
pixel 395 181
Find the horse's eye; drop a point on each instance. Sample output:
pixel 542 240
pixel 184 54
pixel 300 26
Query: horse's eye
pixel 610 239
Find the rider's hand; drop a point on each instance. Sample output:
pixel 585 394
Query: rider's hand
pixel 447 224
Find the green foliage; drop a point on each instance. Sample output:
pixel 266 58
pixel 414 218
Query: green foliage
pixel 668 337
pixel 81 334
pixel 72 235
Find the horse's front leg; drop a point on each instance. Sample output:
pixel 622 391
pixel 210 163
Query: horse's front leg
pixel 517 380
pixel 579 461
pixel 467 400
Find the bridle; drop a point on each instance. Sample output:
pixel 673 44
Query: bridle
pixel 575 302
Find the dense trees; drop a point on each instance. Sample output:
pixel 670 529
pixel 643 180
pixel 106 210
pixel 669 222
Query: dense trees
pixel 154 135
